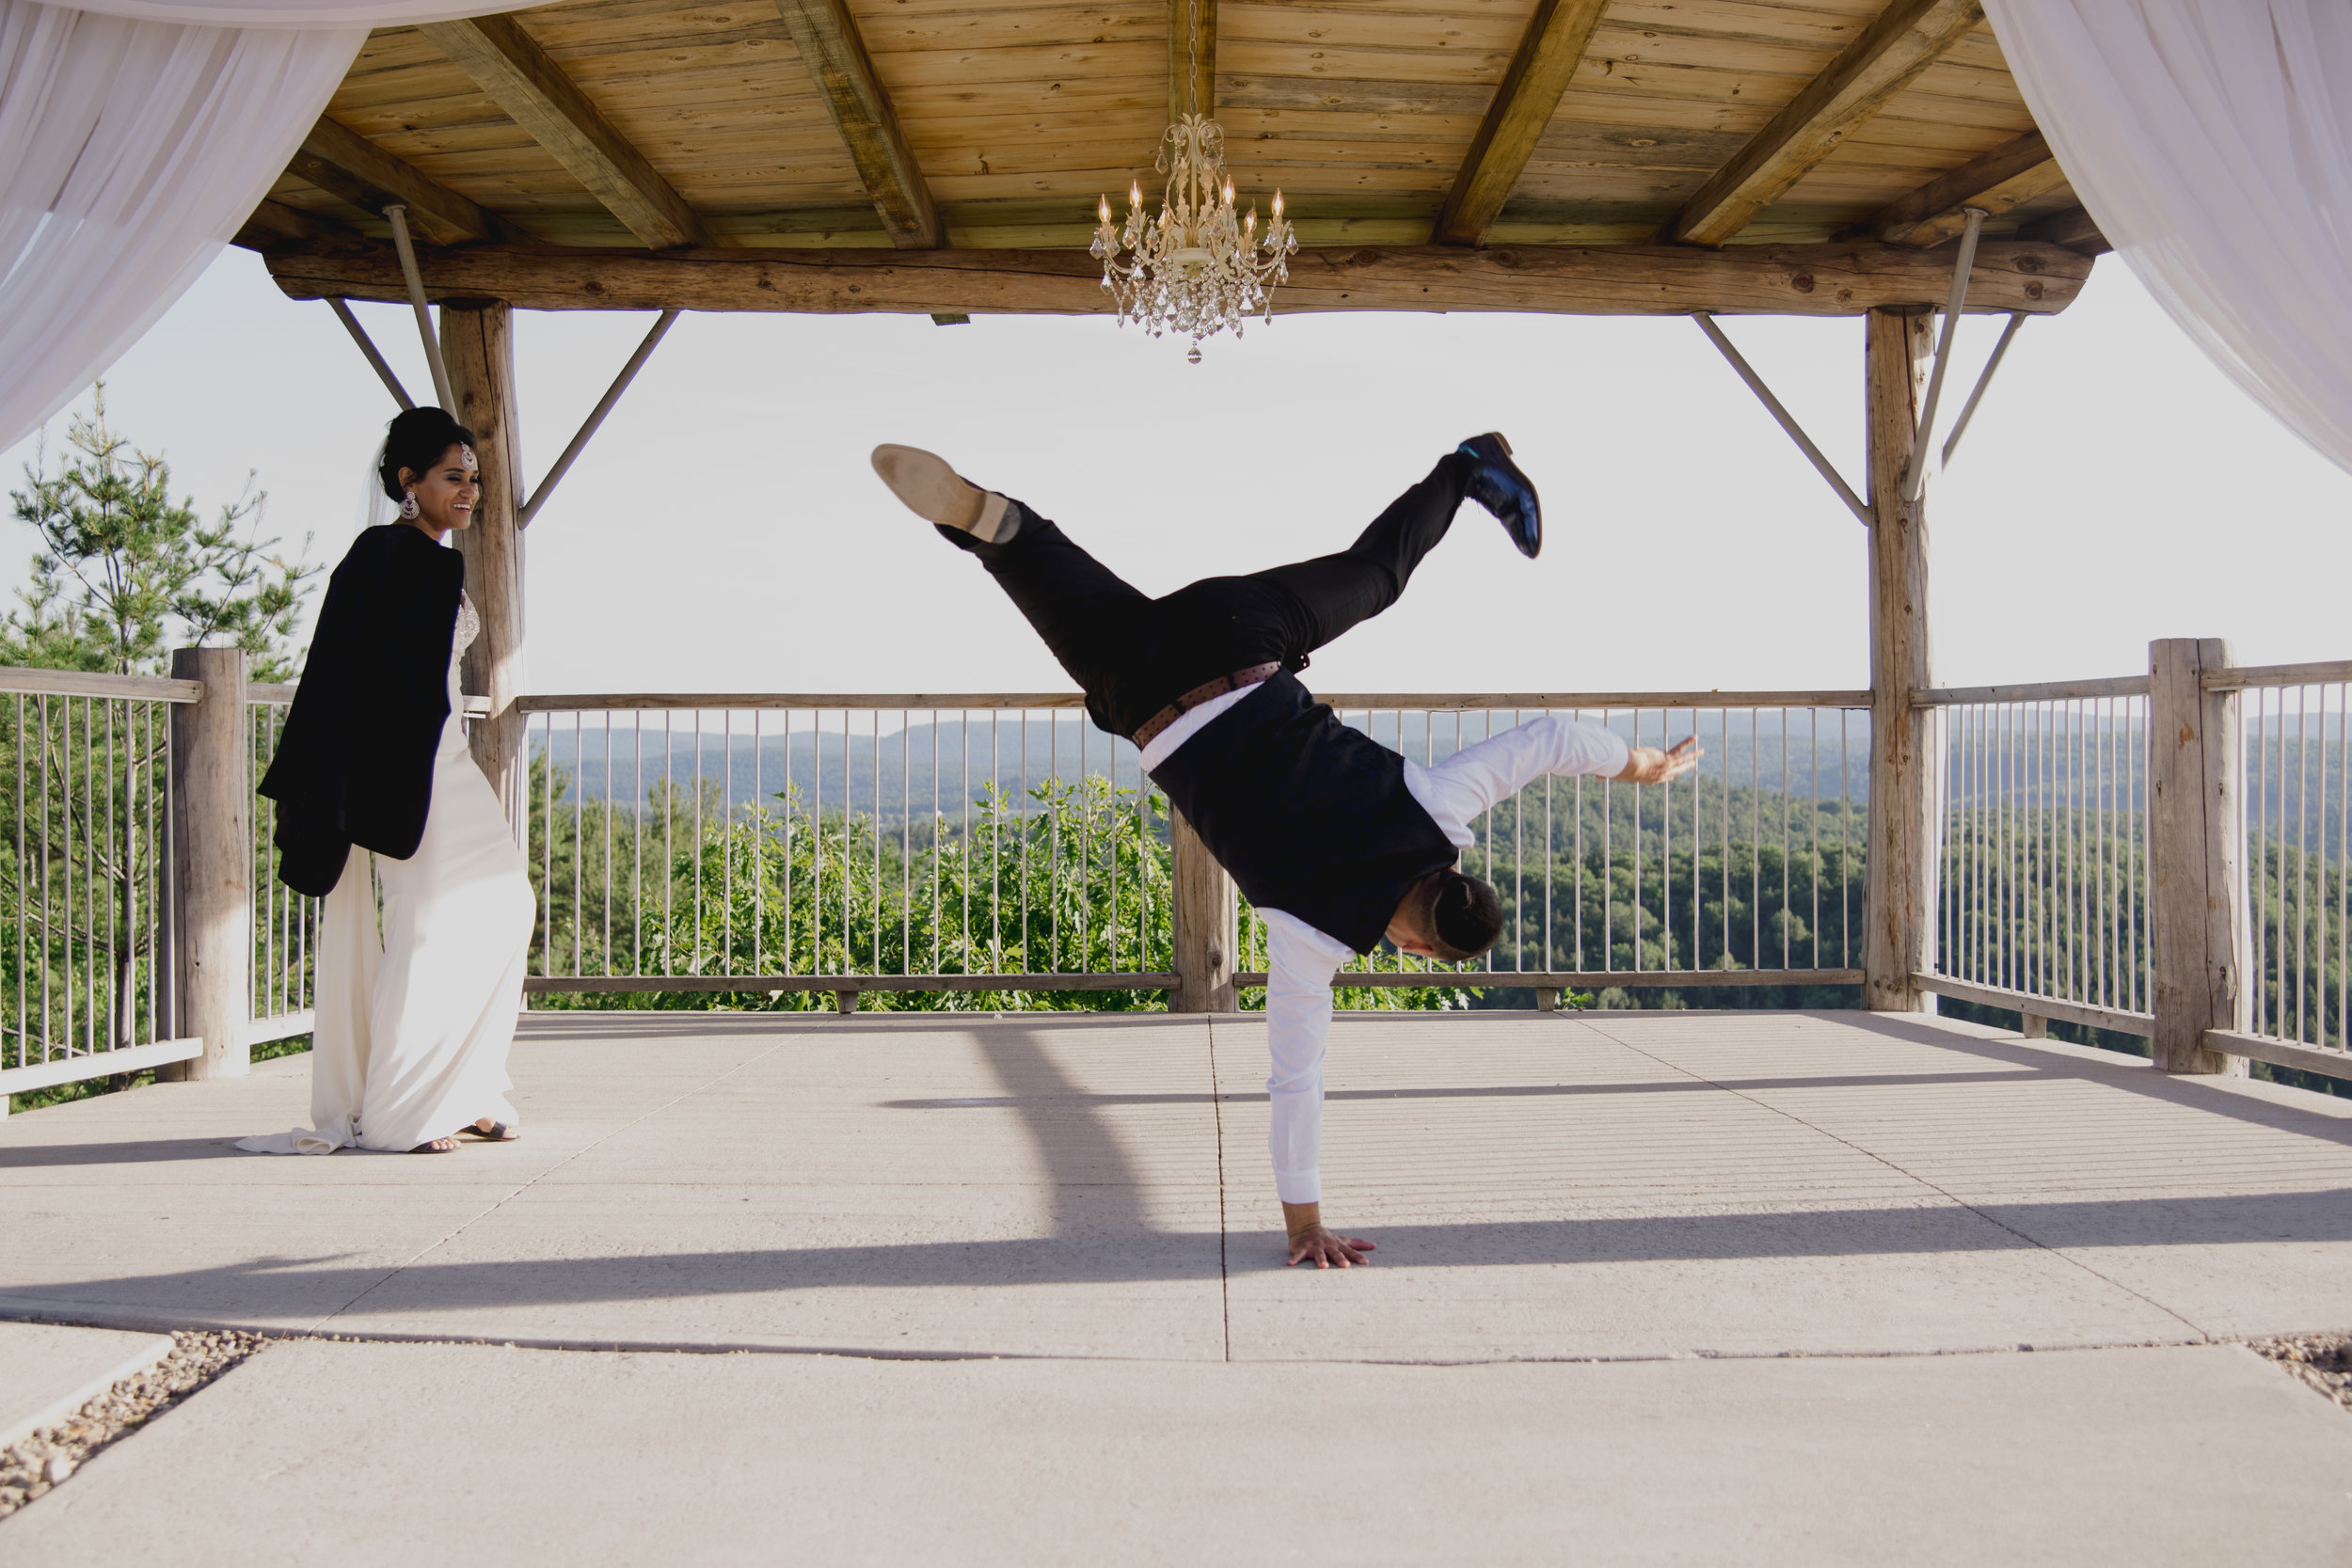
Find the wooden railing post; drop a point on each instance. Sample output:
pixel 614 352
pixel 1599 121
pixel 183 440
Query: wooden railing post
pixel 212 862
pixel 1206 919
pixel 478 344
pixel 1906 746
pixel 2196 855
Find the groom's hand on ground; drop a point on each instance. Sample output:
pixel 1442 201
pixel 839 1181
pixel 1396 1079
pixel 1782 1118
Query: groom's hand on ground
pixel 1648 765
pixel 1311 1243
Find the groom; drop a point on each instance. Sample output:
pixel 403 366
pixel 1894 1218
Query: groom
pixel 1338 841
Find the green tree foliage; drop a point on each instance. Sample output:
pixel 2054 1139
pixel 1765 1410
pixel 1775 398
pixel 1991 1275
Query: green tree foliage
pixel 125 573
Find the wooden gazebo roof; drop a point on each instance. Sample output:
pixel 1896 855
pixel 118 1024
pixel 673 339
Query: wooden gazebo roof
pixel 946 155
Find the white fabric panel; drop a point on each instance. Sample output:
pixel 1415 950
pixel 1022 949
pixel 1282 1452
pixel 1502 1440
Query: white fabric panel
pixel 129 152
pixel 2212 141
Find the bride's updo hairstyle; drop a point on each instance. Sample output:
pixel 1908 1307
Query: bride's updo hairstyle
pixel 415 441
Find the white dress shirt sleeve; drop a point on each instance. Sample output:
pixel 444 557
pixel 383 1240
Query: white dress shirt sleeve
pixel 1458 790
pixel 1301 962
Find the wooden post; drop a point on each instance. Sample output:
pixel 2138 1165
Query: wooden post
pixel 1206 919
pixel 2033 1026
pixel 2196 855
pixel 1905 742
pixel 478 343
pixel 212 864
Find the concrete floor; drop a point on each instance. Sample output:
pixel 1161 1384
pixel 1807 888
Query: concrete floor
pixel 1688 1190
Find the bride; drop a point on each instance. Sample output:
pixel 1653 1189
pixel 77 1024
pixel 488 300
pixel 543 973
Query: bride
pixel 416 1006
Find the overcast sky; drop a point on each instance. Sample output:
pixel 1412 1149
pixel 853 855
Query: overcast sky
pixel 724 533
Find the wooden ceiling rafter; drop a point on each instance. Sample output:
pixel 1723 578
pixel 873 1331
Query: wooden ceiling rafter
pixel 275 226
pixel 834 52
pixel 2075 228
pixel 1998 181
pixel 524 81
pixel 1906 39
pixel 1191 76
pixel 345 165
pixel 1524 102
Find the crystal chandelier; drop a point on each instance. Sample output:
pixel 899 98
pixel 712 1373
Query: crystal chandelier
pixel 1197 268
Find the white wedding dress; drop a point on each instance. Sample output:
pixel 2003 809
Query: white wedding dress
pixel 414 1026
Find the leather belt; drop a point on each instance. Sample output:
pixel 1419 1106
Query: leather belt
pixel 1199 694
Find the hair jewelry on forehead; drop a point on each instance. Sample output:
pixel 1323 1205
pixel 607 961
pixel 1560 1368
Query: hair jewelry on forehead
pixel 467 451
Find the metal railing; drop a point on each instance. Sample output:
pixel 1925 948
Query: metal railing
pixel 2042 888
pixel 978 844
pixel 86 927
pixel 2292 727
pixel 285 923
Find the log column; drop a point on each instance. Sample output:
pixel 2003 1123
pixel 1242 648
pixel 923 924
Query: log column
pixel 2196 856
pixel 1206 922
pixel 478 344
pixel 212 864
pixel 1905 742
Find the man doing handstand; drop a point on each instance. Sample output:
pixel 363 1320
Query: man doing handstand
pixel 1337 840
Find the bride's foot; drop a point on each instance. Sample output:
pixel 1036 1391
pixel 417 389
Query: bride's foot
pixel 493 1131
pixel 439 1145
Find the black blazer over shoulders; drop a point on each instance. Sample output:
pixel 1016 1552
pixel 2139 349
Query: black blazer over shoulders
pixel 355 764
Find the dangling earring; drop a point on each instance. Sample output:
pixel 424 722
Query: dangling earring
pixel 408 507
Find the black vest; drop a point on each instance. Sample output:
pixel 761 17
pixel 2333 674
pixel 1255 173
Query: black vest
pixel 1310 816
pixel 354 761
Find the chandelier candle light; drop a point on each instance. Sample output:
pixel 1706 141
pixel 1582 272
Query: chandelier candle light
pixel 1197 268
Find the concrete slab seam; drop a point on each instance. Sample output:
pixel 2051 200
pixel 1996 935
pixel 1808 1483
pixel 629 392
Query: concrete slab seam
pixel 678 1099
pixel 862 1352
pixel 2203 1336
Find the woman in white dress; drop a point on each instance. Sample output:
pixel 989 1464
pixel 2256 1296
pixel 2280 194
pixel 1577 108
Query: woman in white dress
pixel 377 791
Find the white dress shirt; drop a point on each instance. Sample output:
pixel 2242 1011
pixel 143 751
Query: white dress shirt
pixel 1301 961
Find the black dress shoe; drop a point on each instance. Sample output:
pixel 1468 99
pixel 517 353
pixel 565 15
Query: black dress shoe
pixel 1497 485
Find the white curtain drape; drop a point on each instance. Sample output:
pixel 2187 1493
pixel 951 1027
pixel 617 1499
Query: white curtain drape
pixel 132 148
pixel 2212 142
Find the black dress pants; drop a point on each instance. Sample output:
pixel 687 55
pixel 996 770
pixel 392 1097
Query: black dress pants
pixel 1133 655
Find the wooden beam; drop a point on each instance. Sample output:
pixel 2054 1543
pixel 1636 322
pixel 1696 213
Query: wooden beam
pixel 1906 39
pixel 831 47
pixel 1906 753
pixel 2008 176
pixel 522 78
pixel 1540 70
pixel 1839 280
pixel 478 343
pixel 1191 76
pixel 2073 229
pixel 2198 944
pixel 343 163
pixel 275 226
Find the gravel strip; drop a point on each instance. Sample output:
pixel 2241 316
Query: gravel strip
pixel 53 1454
pixel 2322 1360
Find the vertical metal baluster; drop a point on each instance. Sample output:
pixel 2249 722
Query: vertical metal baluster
pixel 995 847
pixel 1813 813
pixel 938 845
pixel 788 961
pixel 1723 734
pixel 48 924
pixel 669 845
pixel 906 841
pixel 2343 863
pixel 2302 855
pixel 637 844
pixel 755 843
pixel 1027 962
pixel 848 922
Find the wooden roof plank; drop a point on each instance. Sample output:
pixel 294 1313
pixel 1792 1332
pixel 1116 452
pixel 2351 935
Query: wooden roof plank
pixel 341 161
pixel 1541 68
pixel 525 81
pixel 1905 40
pixel 2008 176
pixel 828 40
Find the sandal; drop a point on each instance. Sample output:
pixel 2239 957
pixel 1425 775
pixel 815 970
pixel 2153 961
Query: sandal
pixel 497 1133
